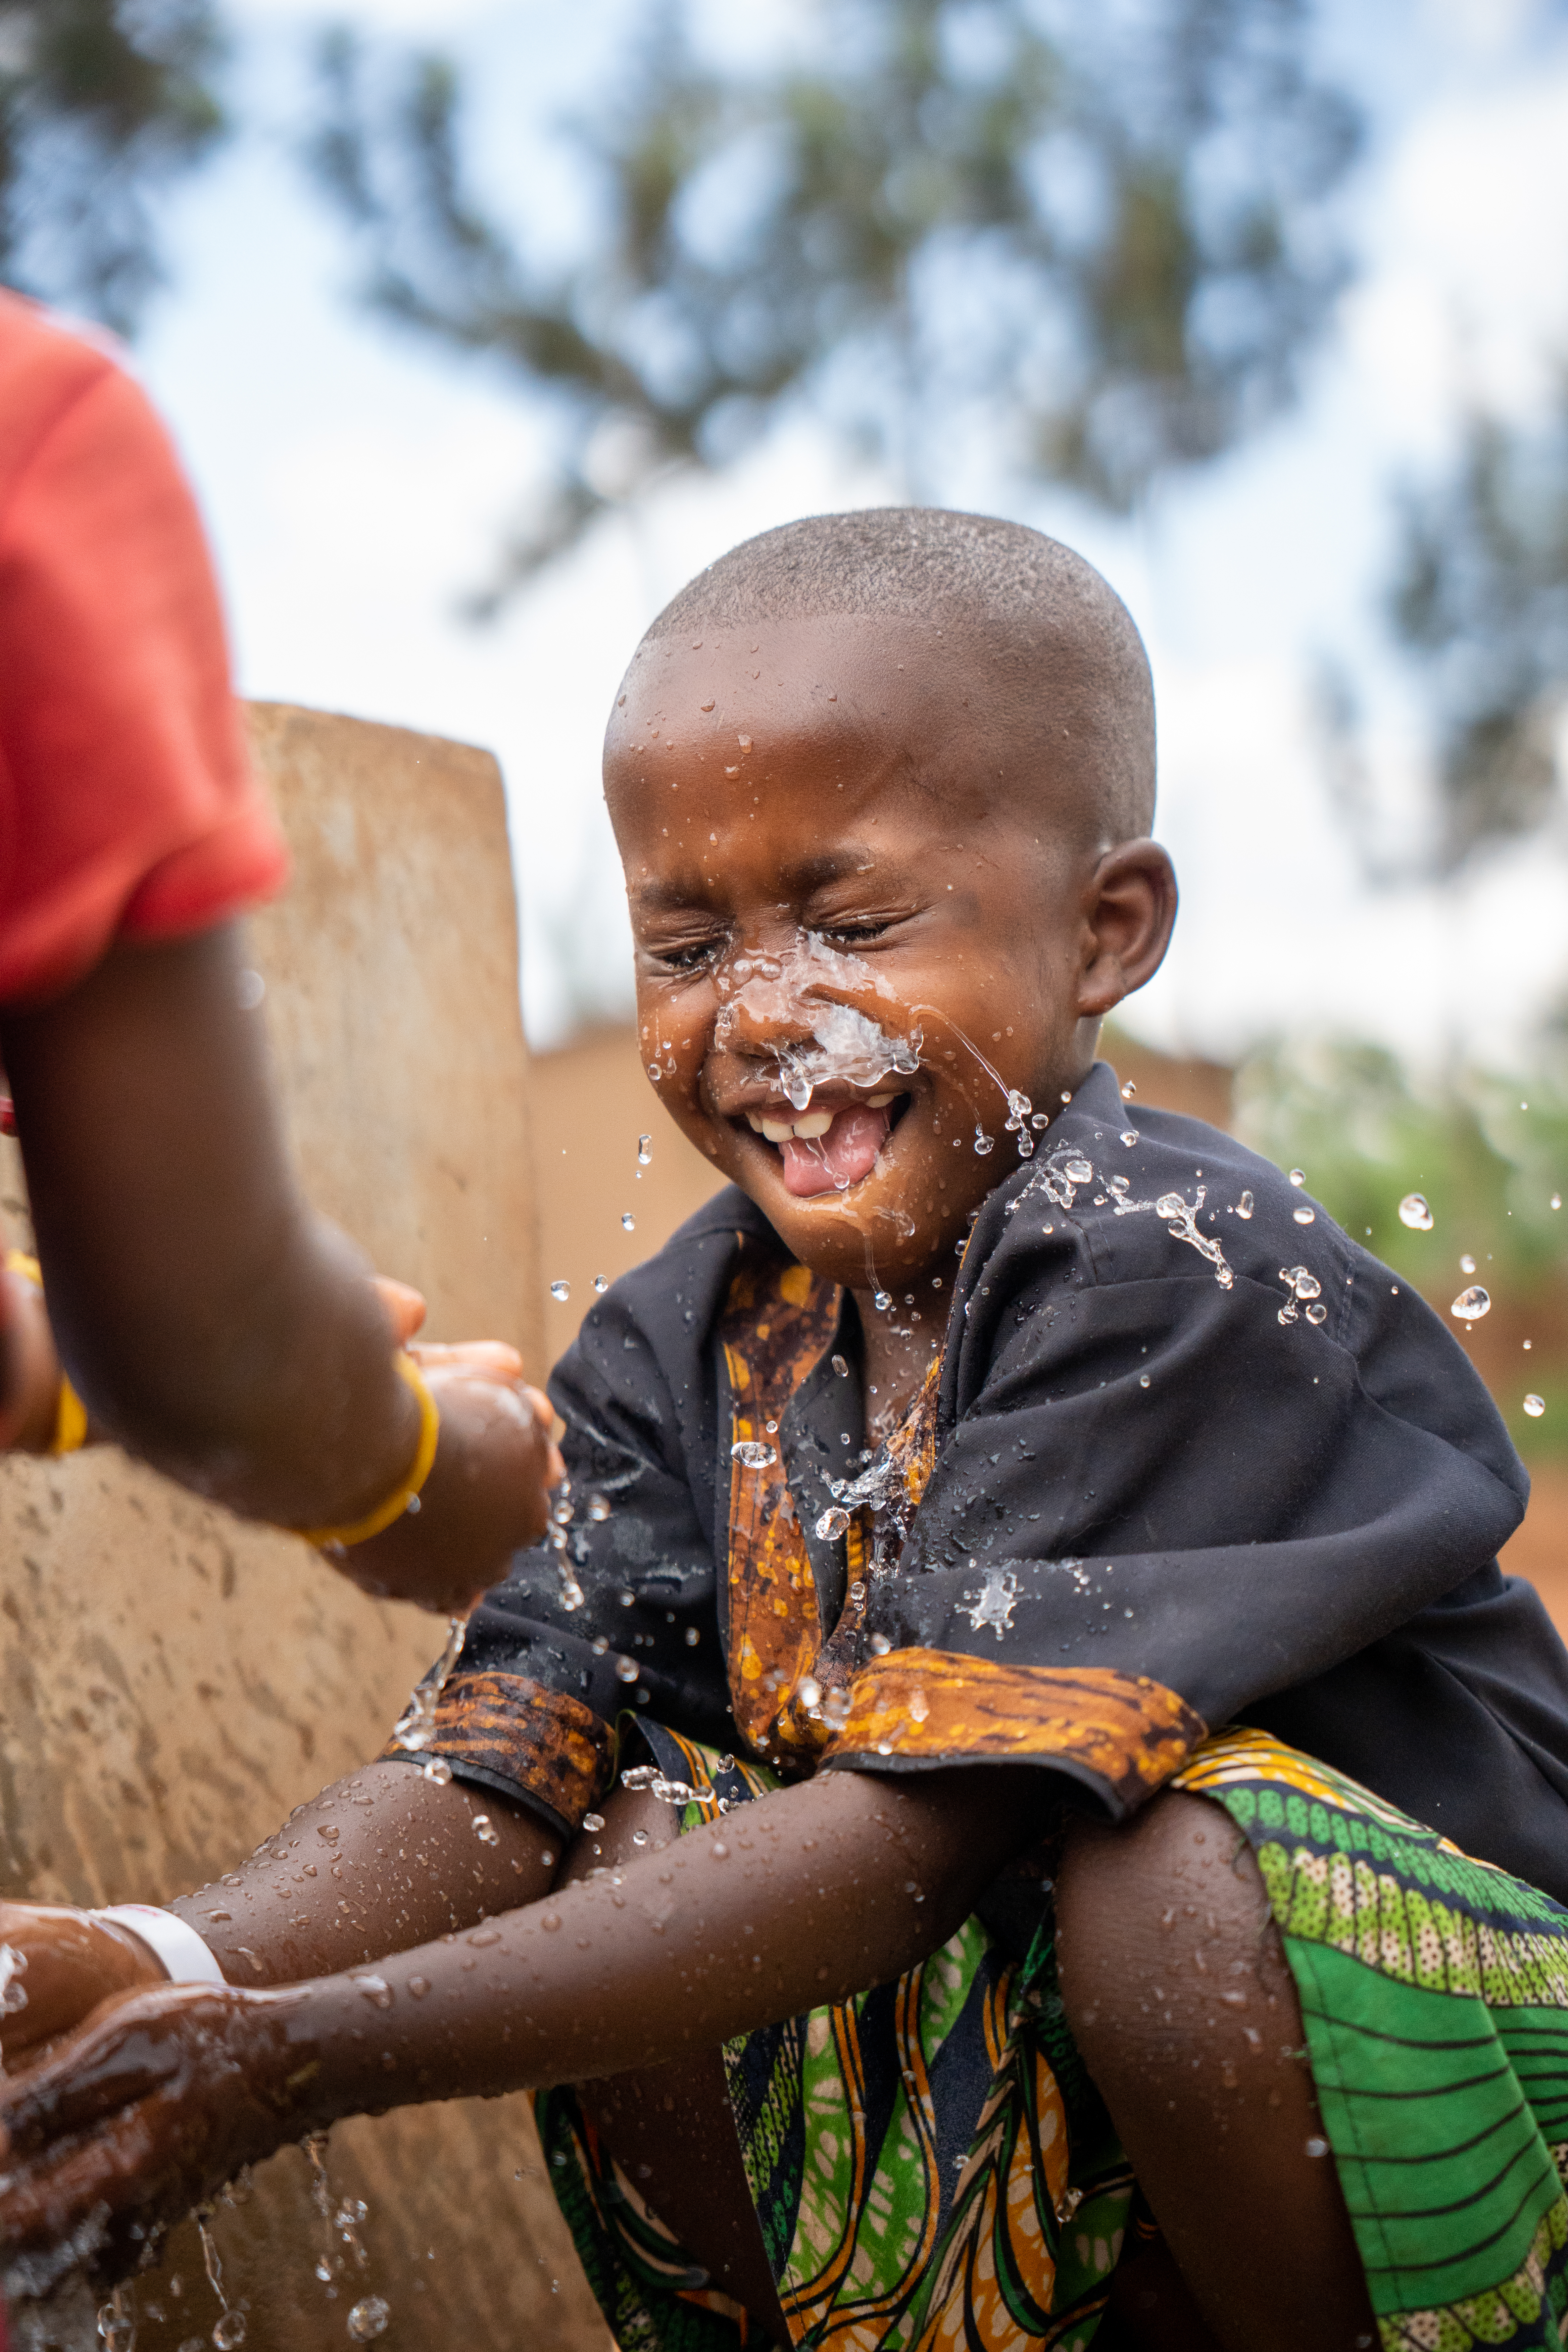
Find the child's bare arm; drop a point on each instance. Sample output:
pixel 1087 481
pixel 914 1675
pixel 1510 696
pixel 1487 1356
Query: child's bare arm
pixel 810 1894
pixel 212 1322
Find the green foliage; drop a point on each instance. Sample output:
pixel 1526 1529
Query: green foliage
pixel 1349 1115
pixel 100 102
pixel 1488 1154
pixel 1097 238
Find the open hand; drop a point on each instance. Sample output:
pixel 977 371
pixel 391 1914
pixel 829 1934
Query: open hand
pixel 62 1963
pixel 155 2102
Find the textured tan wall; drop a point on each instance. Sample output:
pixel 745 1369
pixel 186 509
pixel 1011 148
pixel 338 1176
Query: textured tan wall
pixel 174 1681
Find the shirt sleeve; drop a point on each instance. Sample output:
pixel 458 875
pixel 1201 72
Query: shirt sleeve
pixel 622 1618
pixel 1159 1494
pixel 128 804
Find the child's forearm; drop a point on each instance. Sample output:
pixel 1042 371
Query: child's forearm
pixel 813 1895
pixel 376 1864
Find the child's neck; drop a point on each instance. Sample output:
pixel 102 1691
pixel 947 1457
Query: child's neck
pixel 897 1344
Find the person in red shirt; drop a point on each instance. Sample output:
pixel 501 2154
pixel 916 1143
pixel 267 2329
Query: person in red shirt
pixel 205 1318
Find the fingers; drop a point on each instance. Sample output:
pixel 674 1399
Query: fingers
pixel 481 1359
pixel 403 1304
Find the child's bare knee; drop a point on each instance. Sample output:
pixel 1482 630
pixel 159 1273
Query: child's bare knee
pixel 1159 1918
pixel 632 1822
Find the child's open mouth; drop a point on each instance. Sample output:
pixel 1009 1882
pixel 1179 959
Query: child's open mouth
pixel 826 1150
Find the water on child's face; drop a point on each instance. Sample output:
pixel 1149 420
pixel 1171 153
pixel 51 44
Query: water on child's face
pixel 857 959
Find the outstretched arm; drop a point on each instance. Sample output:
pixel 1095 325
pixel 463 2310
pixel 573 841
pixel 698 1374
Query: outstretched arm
pixel 211 1321
pixel 803 1897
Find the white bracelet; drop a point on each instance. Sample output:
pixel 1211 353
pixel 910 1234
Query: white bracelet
pixel 186 1958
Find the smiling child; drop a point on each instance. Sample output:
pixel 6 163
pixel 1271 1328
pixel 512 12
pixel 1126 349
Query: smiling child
pixel 1079 1848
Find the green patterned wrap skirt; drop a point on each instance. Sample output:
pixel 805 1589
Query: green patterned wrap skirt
pixel 932 2169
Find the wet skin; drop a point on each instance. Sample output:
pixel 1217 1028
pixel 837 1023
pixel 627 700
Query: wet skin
pixel 897 807
pixel 213 1324
pixel 899 781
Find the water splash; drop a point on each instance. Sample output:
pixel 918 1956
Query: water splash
pixel 752 1454
pixel 1415 1212
pixel 416 1727
pixel 229 2328
pixel 995 1602
pixel 117 2322
pixel 1472 1303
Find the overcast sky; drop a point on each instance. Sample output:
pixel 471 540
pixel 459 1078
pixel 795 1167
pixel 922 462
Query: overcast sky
pixel 353 484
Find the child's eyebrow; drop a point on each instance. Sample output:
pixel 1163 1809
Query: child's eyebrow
pixel 799 879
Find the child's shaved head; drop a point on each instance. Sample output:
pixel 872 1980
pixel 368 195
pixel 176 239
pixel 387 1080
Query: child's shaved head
pixel 1060 646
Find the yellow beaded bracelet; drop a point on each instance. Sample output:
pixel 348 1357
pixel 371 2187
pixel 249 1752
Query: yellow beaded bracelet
pixel 406 1491
pixel 70 1413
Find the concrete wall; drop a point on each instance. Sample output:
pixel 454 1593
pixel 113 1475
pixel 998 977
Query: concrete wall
pixel 175 1682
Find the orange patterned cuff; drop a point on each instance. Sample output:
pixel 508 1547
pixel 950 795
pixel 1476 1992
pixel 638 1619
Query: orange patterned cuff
pixel 514 1733
pixel 1122 1730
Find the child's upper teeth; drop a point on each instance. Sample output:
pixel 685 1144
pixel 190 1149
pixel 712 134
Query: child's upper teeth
pixel 809 1125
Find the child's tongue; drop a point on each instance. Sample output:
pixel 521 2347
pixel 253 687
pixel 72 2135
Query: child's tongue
pixel 846 1153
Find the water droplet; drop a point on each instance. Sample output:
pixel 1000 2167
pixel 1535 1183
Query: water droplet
pixel 601 1284
pixel 438 1771
pixel 1535 1406
pixel 1298 1175
pixel 983 1142
pixel 375 1989
pixel 560 1292
pixel 1142 1380
pixel 251 991
pixel 1305 1216
pixel 626 1670
pixel 593 1824
pixel 1413 1213
pixel 1066 1096
pixel 808 1691
pixel 832 1525
pixel 368 2318
pixel 1244 1206
pixel 485 1830
pixel 1128 1091
pixel 645 1150
pixel 228 2330
pixel 692 1637
pixel 841 1367
pixel 836 1707
pixel 1079 1172
pixel 752 1455
pixel 598 1508
pixel 1557 1200
pixel 1316 2147
pixel 628 1223
pixel 655 1073
pixel 418 1987
pixel 1317 1314
pixel 1129 1137
pixel 1466 1263
pixel 1471 1305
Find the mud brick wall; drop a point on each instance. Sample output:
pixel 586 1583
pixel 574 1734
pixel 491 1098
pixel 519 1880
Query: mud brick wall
pixel 173 1683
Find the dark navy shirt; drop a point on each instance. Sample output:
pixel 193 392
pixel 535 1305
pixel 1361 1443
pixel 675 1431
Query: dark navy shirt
pixel 1187 1430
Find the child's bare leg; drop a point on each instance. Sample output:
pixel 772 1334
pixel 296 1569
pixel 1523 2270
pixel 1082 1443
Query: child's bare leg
pixel 669 2127
pixel 1182 2001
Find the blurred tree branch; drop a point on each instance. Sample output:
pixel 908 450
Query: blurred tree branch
pixel 1479 601
pixel 1102 240
pixel 101 101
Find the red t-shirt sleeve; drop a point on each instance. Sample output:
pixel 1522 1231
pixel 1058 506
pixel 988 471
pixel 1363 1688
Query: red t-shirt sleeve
pixel 128 804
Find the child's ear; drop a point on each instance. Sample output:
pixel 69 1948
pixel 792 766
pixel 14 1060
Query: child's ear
pixel 1130 911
